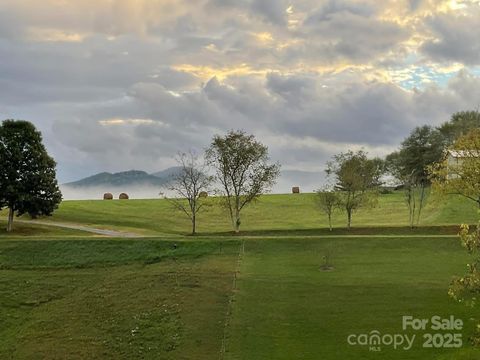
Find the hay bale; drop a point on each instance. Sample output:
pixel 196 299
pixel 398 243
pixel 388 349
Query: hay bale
pixel 203 194
pixel 123 196
pixel 107 196
pixel 295 190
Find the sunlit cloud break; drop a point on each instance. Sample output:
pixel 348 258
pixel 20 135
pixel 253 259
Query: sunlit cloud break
pixel 126 84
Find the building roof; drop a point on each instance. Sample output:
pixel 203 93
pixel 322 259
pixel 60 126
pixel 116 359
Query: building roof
pixel 463 153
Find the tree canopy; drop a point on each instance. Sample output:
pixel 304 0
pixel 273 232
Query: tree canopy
pixel 460 124
pixel 28 181
pixel 422 148
pixel 356 178
pixel 243 170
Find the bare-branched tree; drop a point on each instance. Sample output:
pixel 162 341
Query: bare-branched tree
pixel 190 186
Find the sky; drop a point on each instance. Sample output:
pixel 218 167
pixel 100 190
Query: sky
pixel 116 85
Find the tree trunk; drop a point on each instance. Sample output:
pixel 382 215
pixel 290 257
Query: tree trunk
pixel 422 200
pixel 10 219
pixel 349 218
pixel 237 222
pixel 194 225
pixel 330 221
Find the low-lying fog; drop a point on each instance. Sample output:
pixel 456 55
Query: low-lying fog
pixel 307 181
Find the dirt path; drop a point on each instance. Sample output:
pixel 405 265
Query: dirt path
pixel 104 232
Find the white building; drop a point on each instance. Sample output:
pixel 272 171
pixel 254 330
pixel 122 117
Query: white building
pixel 455 159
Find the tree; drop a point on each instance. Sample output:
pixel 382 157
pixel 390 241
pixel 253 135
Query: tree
pixel 327 201
pixel 460 175
pixel 460 124
pixel 415 189
pixel 242 169
pixel 356 178
pixel 423 147
pixel 466 289
pixel 28 181
pixel 410 166
pixel 189 184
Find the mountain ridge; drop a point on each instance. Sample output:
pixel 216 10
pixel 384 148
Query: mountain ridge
pixel 125 178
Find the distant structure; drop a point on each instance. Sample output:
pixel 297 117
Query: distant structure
pixel 455 158
pixel 295 190
pixel 123 196
pixel 107 196
pixel 203 194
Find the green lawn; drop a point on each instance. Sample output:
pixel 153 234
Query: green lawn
pixel 65 295
pixel 272 214
pixel 36 230
pixel 144 298
pixel 287 308
pixel 114 299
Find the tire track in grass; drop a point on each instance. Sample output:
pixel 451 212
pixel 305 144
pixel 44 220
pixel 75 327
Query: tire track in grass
pixel 231 300
pixel 89 229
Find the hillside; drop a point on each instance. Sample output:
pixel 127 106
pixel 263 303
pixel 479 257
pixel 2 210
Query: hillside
pixel 271 214
pixel 167 173
pixel 125 178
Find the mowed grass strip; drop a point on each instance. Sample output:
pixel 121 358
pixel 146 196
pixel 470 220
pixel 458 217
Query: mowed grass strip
pixel 114 299
pixel 288 308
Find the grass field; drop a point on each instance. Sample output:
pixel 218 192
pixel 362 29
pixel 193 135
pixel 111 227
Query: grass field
pixel 286 308
pixel 270 215
pixel 35 230
pixel 114 299
pixel 70 295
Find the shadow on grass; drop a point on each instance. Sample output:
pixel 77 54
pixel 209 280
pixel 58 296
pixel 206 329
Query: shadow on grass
pixel 374 230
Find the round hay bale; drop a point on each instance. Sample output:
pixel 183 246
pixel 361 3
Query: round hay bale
pixel 107 196
pixel 295 190
pixel 203 194
pixel 123 196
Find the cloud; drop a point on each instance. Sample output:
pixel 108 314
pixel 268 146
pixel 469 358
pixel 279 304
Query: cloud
pixel 121 84
pixel 453 38
pixel 274 11
pixel 350 31
pixel 303 122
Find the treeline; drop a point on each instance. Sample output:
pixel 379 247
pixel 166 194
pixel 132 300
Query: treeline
pixel 242 171
pixel 420 162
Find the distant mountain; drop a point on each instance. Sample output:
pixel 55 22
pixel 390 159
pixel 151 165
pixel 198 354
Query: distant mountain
pixel 125 178
pixel 168 173
pixel 140 184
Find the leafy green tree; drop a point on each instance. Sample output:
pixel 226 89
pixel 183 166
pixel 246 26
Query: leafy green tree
pixel 466 288
pixel 242 169
pixel 422 148
pixel 460 124
pixel 415 189
pixel 356 179
pixel 27 176
pixel 410 166
pixel 327 201
pixel 460 175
